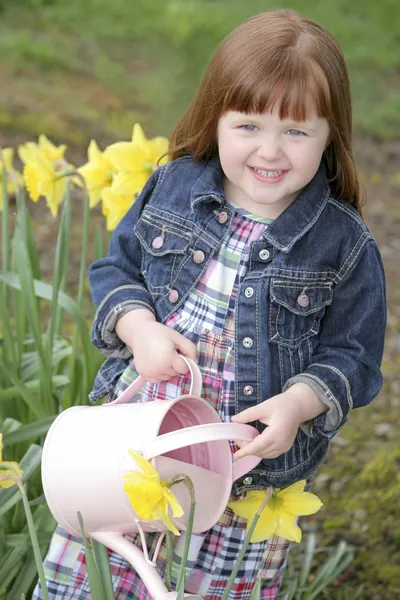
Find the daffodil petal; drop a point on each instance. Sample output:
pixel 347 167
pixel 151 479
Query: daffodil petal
pixel 124 156
pixel 51 151
pixel 288 529
pixel 265 527
pixel 129 183
pixel 54 192
pixel 161 513
pixel 302 503
pixel 177 510
pixel 8 155
pixel 138 136
pixel 94 152
pixel 158 147
pixel 294 488
pixel 144 464
pixel 32 179
pixel 248 506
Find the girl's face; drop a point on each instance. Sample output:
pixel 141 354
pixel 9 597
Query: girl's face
pixel 268 161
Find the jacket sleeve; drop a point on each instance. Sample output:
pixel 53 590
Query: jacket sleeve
pixel 345 372
pixel 116 282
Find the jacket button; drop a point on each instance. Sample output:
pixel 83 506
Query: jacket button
pixel 264 254
pixel 223 217
pixel 303 300
pixel 198 257
pixel 248 292
pixel 247 342
pixel 247 480
pixel 248 390
pixel 173 296
pixel 157 242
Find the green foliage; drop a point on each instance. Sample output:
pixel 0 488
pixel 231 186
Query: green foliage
pixel 44 368
pixel 368 515
pixel 147 57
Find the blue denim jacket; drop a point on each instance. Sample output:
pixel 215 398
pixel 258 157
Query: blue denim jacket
pixel 313 299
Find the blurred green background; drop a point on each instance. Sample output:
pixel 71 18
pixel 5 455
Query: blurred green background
pixel 91 68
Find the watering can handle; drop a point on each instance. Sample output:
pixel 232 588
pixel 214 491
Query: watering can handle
pixel 135 386
pixel 210 432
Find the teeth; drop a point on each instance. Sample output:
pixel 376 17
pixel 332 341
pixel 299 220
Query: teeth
pixel 268 173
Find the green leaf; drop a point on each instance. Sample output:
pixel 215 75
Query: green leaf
pixel 103 563
pixel 23 540
pixel 308 558
pixel 256 591
pixel 95 583
pixel 45 291
pixel 28 432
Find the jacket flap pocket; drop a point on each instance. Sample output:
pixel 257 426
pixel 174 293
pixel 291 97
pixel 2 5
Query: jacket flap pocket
pixel 301 299
pixel 160 237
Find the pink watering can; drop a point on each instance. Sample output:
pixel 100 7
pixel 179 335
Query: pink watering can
pixel 85 457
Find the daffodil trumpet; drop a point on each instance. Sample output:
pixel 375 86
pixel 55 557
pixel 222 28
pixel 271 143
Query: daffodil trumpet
pixel 150 497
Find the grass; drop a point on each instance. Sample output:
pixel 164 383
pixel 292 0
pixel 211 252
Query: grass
pixel 96 66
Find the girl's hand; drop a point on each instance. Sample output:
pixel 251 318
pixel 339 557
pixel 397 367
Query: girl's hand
pixel 156 348
pixel 282 416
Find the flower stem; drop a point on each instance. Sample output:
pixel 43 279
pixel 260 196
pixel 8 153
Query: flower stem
pixel 246 542
pixel 170 549
pixel 32 532
pixel 180 585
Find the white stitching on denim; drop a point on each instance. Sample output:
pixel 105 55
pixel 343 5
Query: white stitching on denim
pixel 330 396
pixel 281 365
pixel 292 370
pixel 122 287
pixel 362 241
pixel 308 226
pixel 257 350
pixel 344 208
pixel 345 380
pixel 111 315
pixel 300 355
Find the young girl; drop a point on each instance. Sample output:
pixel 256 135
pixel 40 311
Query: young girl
pixel 247 253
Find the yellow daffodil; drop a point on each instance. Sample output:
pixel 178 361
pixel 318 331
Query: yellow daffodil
pixel 280 514
pixel 114 207
pixel 6 483
pixel 149 496
pixel 135 161
pixel 44 163
pixel 14 179
pixel 98 174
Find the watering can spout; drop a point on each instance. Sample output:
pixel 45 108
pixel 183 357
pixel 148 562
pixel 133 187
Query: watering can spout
pixel 145 569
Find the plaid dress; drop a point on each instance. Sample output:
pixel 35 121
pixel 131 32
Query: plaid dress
pixel 207 318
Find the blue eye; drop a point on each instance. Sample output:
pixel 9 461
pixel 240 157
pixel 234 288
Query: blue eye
pixel 295 132
pixel 249 127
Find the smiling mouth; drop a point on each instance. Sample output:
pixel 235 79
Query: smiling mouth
pixel 265 173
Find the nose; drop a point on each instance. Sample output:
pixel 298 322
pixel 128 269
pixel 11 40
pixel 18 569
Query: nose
pixel 270 150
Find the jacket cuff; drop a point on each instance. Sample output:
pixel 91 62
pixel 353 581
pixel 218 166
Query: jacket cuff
pixel 104 336
pixel 328 423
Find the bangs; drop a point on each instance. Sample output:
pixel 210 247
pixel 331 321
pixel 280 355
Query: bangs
pixel 296 85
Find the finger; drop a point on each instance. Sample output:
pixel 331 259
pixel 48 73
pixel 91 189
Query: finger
pixel 179 365
pixel 240 443
pixel 185 346
pixel 255 448
pixel 250 414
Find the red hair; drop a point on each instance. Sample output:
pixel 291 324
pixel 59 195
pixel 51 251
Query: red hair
pixel 276 57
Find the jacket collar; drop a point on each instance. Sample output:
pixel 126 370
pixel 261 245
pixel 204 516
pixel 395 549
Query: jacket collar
pixel 286 229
